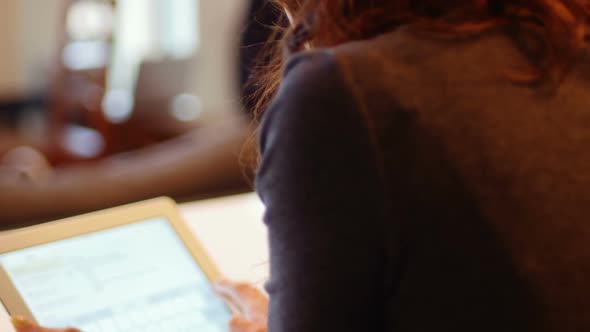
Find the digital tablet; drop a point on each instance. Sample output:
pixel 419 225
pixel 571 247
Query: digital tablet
pixel 133 268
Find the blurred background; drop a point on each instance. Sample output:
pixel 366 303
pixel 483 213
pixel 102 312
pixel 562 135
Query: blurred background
pixel 106 102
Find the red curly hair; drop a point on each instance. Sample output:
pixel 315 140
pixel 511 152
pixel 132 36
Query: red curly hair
pixel 554 33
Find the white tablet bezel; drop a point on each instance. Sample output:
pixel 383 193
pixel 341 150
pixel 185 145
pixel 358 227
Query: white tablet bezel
pixel 91 223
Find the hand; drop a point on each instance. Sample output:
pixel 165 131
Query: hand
pixel 249 302
pixel 23 325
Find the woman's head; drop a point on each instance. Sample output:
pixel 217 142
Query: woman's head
pixel 552 32
pixel 329 22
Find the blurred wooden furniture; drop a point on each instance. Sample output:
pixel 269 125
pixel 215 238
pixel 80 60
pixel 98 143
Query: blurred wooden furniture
pixel 80 129
pixel 204 163
pixel 159 90
pixel 76 93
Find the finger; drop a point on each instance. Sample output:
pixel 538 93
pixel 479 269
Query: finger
pixel 247 299
pixel 22 324
pixel 241 324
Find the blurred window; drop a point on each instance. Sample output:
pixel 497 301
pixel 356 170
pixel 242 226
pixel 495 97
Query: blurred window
pixel 89 25
pixel 147 30
pixel 179 22
pixel 90 19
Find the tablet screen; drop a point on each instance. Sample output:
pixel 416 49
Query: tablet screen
pixel 137 277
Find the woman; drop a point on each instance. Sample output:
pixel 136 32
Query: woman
pixel 424 166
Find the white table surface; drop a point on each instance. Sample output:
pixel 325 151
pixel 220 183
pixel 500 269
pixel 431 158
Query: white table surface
pixel 233 234
pixel 5 325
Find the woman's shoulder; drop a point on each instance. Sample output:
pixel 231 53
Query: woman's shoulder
pixel 313 95
pixel 331 72
pixel 313 72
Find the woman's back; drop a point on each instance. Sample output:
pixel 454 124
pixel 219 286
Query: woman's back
pixel 494 178
pixel 471 210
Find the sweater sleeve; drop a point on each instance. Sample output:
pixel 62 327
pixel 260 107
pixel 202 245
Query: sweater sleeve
pixel 324 204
